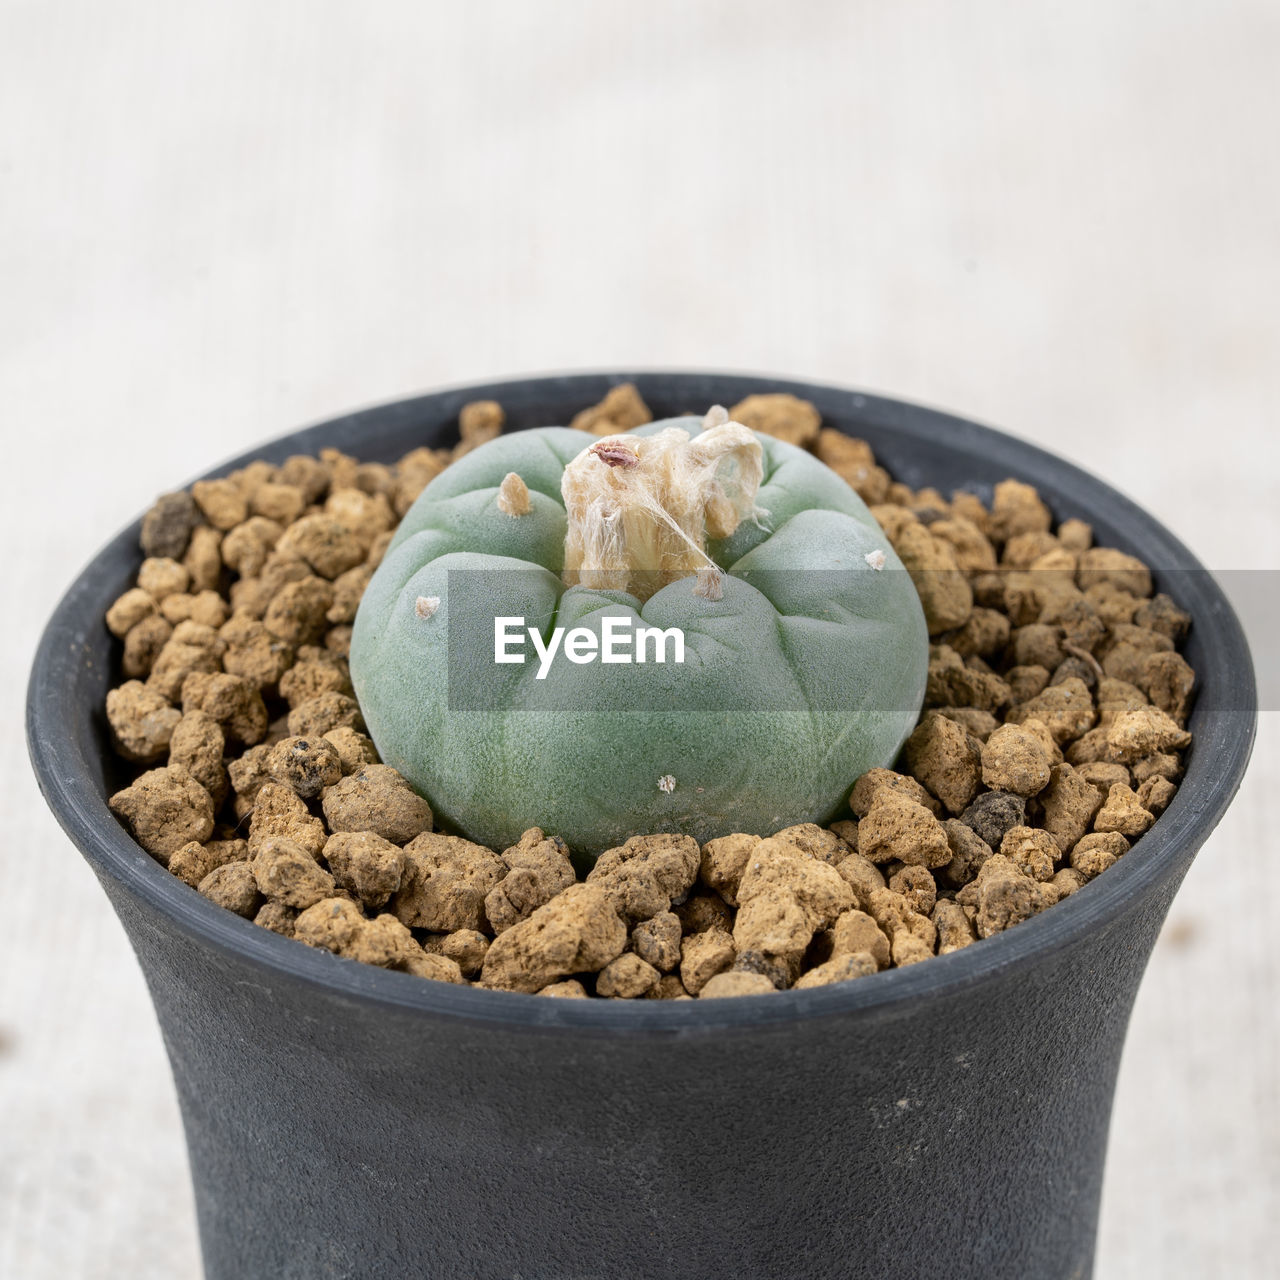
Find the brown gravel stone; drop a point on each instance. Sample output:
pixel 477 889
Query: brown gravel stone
pixel 702 911
pixel 1014 759
pixel 1067 806
pixel 723 985
pixel 1032 851
pixel 723 862
pixel 944 591
pixel 1155 794
pixel 626 977
pixel 536 869
pixel 1003 896
pixel 647 874
pixel 143 645
pixel 232 886
pixel 703 955
pixel 1104 565
pixel 1067 710
pixel 308 765
pixel 578 931
pixel 129 610
pixel 570 989
pixel 445 882
pixel 467 948
pixel 1144 732
pixel 857 932
pixel 778 414
pixel 947 760
pixel 842 968
pixel 377 799
pixel 622 409
pixel 366 864
pixel 968 852
pixel 897 827
pixel 194 861
pixel 277 811
pixel 861 875
pixel 165 809
pixel 320 715
pixel 1123 813
pixel 1093 854
pixel 197 745
pixel 277 917
pixel 864 791
pixel 142 721
pixel 657 941
pixel 166 528
pixel 234 702
pixel 955 930
pixel 286 872
pixel 354 749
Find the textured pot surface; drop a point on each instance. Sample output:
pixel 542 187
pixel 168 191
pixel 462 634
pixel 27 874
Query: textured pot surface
pixel 949 1118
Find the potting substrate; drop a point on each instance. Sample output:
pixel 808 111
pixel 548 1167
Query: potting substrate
pixel 1049 741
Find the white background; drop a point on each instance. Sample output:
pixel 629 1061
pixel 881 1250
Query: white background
pixel 221 221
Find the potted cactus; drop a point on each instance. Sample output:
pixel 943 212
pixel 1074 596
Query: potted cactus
pixel 348 1120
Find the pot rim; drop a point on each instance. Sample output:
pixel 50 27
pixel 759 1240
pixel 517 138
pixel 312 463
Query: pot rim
pixel 1223 734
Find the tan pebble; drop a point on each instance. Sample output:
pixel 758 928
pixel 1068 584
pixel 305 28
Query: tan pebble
pixel 947 760
pixel 897 827
pixel 578 931
pixel 626 977
pixel 570 989
pixel 468 947
pixel 857 932
pixel 864 791
pixel 657 941
pixel 703 955
pixel 723 861
pixel 955 930
pixel 221 502
pixel 165 809
pixel 445 882
pixel 536 868
pixel 1123 813
pixel 723 985
pixel 1032 851
pixel 308 765
pixel 647 874
pixel 283 870
pixel 142 721
pixel 1068 805
pixel 1094 853
pixel 278 811
pixel 198 744
pixel 232 886
pixel 369 866
pixel 1014 759
pixel 778 414
pixel 128 610
pixel 193 861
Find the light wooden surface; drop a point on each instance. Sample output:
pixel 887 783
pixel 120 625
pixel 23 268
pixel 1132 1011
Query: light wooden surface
pixel 220 221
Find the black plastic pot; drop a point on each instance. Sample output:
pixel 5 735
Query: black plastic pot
pixel 946 1119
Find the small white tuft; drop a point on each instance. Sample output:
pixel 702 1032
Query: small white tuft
pixel 716 416
pixel 426 606
pixel 707 583
pixel 666 784
pixel 876 559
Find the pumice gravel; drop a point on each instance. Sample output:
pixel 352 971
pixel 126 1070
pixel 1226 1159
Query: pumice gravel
pixel 1050 741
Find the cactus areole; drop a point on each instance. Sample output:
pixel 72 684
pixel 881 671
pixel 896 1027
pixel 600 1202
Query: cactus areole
pixel 689 628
